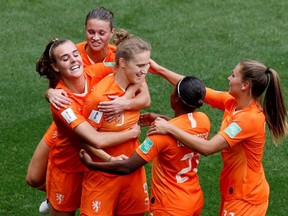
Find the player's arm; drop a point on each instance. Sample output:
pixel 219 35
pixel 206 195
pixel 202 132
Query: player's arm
pixel 101 140
pixel 203 146
pixel 112 109
pixel 120 167
pixel 142 99
pixel 169 75
pixel 102 155
pixel 146 119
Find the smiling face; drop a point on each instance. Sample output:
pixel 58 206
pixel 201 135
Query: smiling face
pixel 68 60
pixel 98 34
pixel 136 69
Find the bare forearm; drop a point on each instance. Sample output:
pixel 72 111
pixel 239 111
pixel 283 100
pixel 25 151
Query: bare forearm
pixel 201 145
pixel 193 142
pixel 119 167
pixel 101 154
pixel 115 167
pixel 169 75
pixel 104 139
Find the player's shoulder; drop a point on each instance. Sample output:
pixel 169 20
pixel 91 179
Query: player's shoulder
pixel 81 44
pixel 112 47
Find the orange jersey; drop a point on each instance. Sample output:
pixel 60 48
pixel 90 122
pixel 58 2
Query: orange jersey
pixel 242 175
pixel 65 151
pixel 175 187
pixel 108 62
pixel 107 87
pixel 109 59
pixel 116 195
pixel 94 74
pixel 51 135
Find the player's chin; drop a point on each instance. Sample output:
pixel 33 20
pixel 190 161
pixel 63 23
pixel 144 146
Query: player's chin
pixel 137 81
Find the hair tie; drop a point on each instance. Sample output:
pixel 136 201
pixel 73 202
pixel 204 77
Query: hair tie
pixel 179 95
pixel 267 70
pixel 50 49
pixel 123 38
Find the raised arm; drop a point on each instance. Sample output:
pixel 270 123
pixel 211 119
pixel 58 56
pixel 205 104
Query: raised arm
pixel 170 76
pixel 120 167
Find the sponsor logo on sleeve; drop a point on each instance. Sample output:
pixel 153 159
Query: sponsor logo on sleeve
pixel 95 116
pixel 146 145
pixel 69 115
pixel 233 129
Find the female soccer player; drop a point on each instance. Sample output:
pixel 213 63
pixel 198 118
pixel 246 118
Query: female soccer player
pixel 117 195
pixel 65 171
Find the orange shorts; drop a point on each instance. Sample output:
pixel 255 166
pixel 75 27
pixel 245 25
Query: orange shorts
pixel 106 194
pixel 192 206
pixel 165 213
pixel 242 207
pixel 51 134
pixel 63 189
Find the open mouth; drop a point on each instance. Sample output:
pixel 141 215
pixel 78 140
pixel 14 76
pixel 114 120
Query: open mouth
pixel 76 67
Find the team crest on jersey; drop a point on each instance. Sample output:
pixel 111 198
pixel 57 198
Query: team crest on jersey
pixel 146 145
pixel 233 129
pixel 96 205
pixel 69 115
pixel 59 198
pixel 95 116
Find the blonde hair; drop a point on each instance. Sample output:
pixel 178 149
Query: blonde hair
pixel 128 45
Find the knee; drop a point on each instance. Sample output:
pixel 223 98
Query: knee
pixel 34 182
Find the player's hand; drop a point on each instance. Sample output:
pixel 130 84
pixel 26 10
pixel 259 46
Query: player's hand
pixel 113 109
pixel 154 67
pixel 146 119
pixel 85 157
pixel 159 126
pixel 58 98
pixel 135 130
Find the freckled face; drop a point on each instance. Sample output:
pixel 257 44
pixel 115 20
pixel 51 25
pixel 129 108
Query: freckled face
pixel 137 68
pixel 235 81
pixel 68 60
pixel 98 34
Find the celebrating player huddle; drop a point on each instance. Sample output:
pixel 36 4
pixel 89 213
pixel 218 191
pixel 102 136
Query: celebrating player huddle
pixel 91 158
